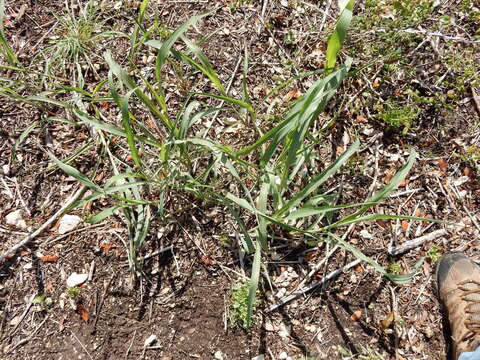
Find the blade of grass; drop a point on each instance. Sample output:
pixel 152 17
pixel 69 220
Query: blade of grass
pixel 123 105
pixel 252 290
pixel 319 179
pixel 337 39
pixel 4 47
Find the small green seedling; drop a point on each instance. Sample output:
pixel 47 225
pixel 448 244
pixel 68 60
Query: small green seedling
pixel 394 267
pixel 39 299
pixel 239 305
pixel 73 291
pixel 434 254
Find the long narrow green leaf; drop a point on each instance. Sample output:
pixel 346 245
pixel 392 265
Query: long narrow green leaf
pixel 252 290
pixel 111 128
pixel 4 47
pixel 123 76
pixel 70 170
pixel 167 44
pixel 387 190
pixel 305 111
pixel 262 222
pixel 336 40
pixel 22 138
pixel 319 179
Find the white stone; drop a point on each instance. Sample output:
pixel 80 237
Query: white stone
pixel 218 355
pixel 15 218
pixel 68 223
pixel 150 340
pixel 76 279
pixel 259 357
pixel 269 326
pixel 365 234
pixel 283 355
pixel 460 181
pixel 285 330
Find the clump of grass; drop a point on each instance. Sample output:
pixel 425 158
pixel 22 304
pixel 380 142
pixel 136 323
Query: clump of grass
pixel 281 196
pixel 238 313
pixel 400 118
pixel 80 33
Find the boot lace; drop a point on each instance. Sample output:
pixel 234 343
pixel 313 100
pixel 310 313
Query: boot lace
pixel 471 295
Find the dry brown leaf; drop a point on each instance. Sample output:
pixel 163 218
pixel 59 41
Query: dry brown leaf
pixel 442 164
pixel 83 312
pixel 382 223
pixel 291 95
pixel 49 258
pixel 106 246
pixel 358 269
pixel 206 260
pixel 356 315
pixel 360 119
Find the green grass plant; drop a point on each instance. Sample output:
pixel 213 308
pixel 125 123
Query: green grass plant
pixel 5 48
pixel 287 194
pixel 80 33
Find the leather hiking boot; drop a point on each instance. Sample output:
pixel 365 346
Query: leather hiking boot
pixel 458 281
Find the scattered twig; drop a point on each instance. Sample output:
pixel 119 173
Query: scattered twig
pixel 131 344
pixel 83 346
pixel 395 312
pixel 476 98
pixel 322 282
pixel 7 189
pixel 455 190
pixel 45 225
pixel 264 9
pixel 22 317
pixel 25 340
pixel 19 194
pixel 102 300
pixel 317 266
pixel 411 244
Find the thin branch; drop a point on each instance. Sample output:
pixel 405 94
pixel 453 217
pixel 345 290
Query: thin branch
pixel 326 279
pixel 45 225
pixel 411 244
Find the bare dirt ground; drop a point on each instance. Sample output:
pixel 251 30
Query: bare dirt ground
pixel 184 297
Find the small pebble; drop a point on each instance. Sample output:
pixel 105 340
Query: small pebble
pixel 150 340
pixel 68 223
pixel 15 218
pixel 76 279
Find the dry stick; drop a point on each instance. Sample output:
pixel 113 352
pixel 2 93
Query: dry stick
pixel 476 98
pixel 102 300
pixel 37 232
pixel 317 266
pixel 326 279
pixel 411 244
pixel 25 340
